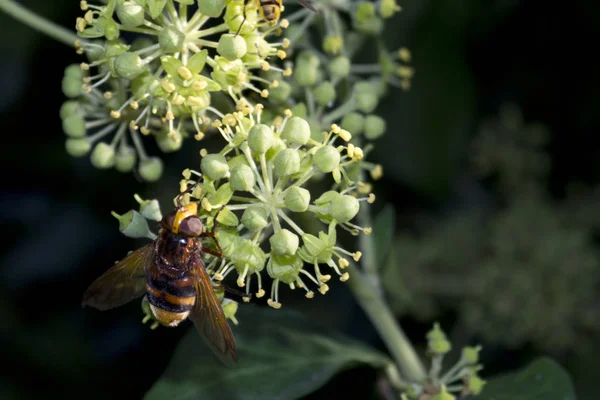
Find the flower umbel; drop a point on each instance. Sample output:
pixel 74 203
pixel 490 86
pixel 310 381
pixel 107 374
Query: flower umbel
pixel 163 83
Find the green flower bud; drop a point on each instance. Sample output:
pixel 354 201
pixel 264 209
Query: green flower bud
pixel 125 159
pixel 281 93
pixel 212 8
pixel 365 12
pixel 327 158
pixel 229 307
pixel 286 162
pixel 297 199
pixel 307 69
pixel 78 147
pixel 150 209
pixel 132 224
pixel 299 110
pixel 151 169
pixel 248 255
pixel 296 131
pixel 240 159
pixel 387 8
pixel 74 71
pixel 214 166
pixel 169 143
pixel 113 48
pixel 255 217
pixel 344 208
pixel 324 93
pixel 374 127
pixel 74 126
pixel 128 65
pixel 278 145
pixel 284 243
pixel 232 47
pixel 111 30
pixel 332 45
pixel 242 178
pixel 130 14
pixel 69 108
pixel 471 354
pixel 284 268
pixel 437 343
pixel 443 395
pixel 315 249
pixel 366 96
pixel 327 197
pixel 71 86
pixel 260 138
pixel 103 156
pixel 353 122
pixel 339 66
pixel 171 40
pixel 476 384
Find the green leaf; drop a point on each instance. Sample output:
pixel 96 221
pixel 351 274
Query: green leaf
pixel 384 227
pixel 543 379
pixel 281 355
pixel 196 62
pixel 155 7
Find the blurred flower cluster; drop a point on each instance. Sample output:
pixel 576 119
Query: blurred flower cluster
pixel 525 270
pixel 461 379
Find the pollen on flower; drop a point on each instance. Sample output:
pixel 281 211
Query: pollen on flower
pixel 199 136
pixel 178 100
pixel 265 66
pixel 358 154
pixel 284 23
pixel 310 294
pixel 184 72
pixel 107 95
pixel 199 85
pixel 346 136
pixel 371 198
pixel 287 71
pixel 323 289
pixel 216 123
pixel 377 172
pixel 206 205
pixel 89 17
pixel 169 87
pixel 404 54
pixel 276 305
pixel 145 131
pixel 368 230
pixel 134 105
pixel 281 54
pixel 356 256
pixel 80 24
pixel 264 93
pixel 345 276
pixel 203 152
pixel 84 66
pixel 335 128
pixel 364 188
pixel 343 263
pixel 287 112
pixel 133 126
pixel 260 293
pixel 169 116
pixel 115 114
pixel 83 5
pixel 274 84
pixel 286 43
pixel 194 101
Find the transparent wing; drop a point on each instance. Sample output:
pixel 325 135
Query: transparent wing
pixel 209 320
pixel 123 282
pixel 306 4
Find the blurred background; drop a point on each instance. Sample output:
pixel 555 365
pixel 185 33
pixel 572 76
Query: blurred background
pixel 490 165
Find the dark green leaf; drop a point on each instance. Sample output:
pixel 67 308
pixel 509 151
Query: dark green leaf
pixel 281 355
pixel 155 7
pixel 543 379
pixel 383 232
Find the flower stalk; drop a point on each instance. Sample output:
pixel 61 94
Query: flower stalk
pixel 38 23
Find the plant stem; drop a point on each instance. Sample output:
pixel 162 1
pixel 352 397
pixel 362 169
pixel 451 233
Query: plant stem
pixel 382 318
pixel 43 25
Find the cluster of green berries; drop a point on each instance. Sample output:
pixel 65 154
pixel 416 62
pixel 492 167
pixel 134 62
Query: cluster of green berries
pixel 461 379
pixel 162 84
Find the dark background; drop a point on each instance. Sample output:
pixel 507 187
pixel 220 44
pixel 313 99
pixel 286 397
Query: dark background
pixel 471 57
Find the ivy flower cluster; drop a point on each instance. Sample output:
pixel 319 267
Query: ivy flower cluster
pixel 461 379
pixel 254 188
pixel 164 83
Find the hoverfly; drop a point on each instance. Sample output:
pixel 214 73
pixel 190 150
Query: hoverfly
pixel 171 273
pixel 270 10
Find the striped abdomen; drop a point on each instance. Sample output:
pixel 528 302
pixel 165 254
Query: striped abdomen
pixel 171 299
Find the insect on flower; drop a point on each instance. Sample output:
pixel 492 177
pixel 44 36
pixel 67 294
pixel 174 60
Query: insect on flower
pixel 170 271
pixel 270 10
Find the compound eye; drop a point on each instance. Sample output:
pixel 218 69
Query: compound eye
pixel 191 226
pixel 167 221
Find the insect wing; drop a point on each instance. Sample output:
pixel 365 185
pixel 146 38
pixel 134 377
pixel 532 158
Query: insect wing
pixel 123 282
pixel 306 4
pixel 209 319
